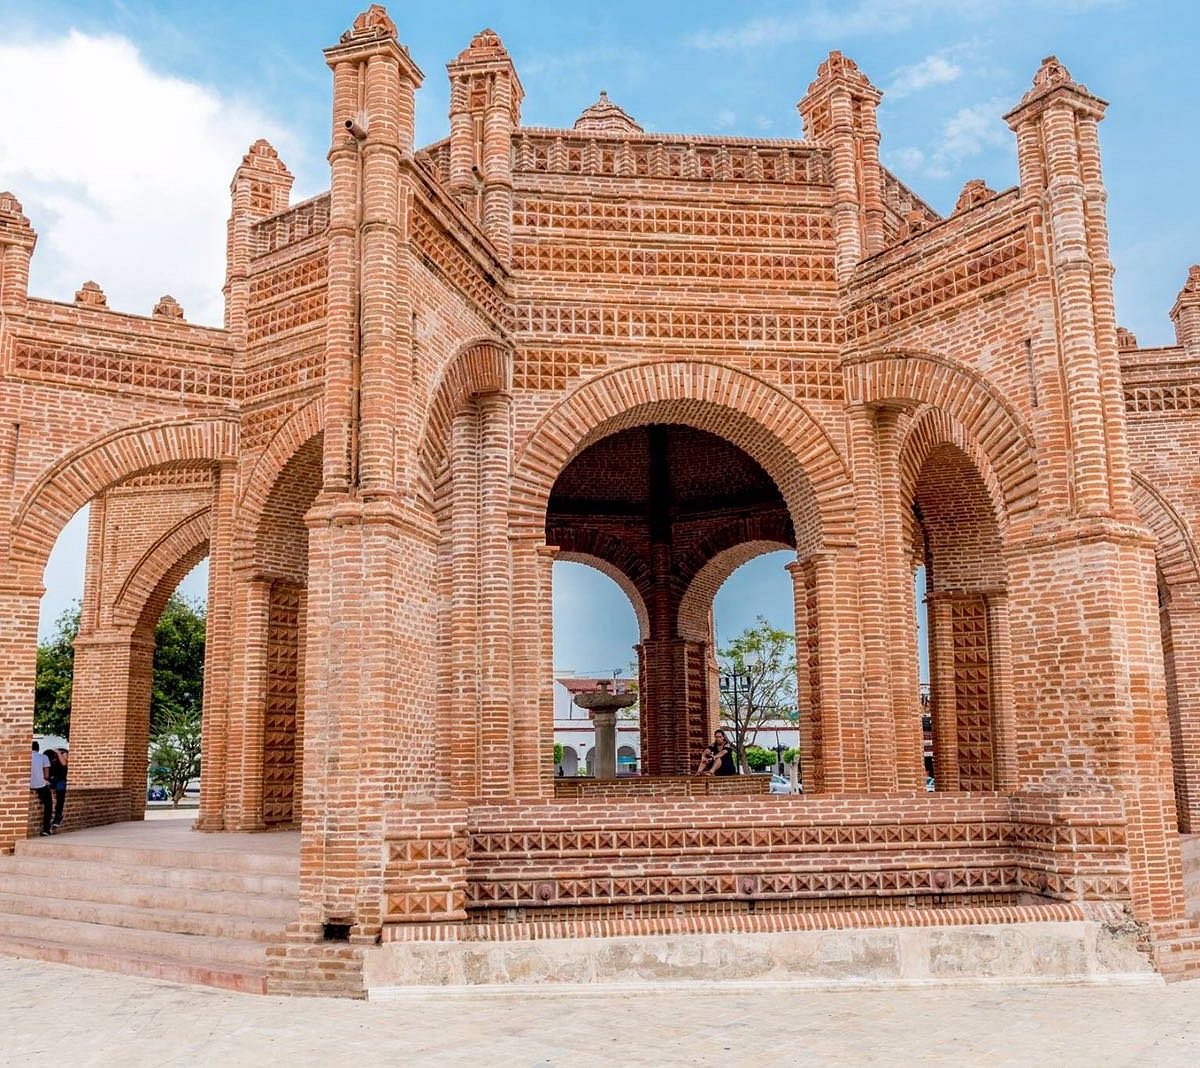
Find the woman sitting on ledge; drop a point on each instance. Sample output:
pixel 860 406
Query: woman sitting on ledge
pixel 717 758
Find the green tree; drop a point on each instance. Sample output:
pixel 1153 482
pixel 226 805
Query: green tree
pixel 759 759
pixel 55 667
pixel 175 753
pixel 177 689
pixel 764 660
pixel 558 753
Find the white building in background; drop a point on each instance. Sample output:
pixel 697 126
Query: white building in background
pixel 573 728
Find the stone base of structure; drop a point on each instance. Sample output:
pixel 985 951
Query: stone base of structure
pixel 926 946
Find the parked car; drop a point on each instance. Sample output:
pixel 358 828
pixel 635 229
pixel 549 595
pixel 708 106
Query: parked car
pixel 781 784
pixel 157 793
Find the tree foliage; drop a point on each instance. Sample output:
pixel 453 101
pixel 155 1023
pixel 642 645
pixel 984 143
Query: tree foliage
pixel 759 759
pixel 763 660
pixel 177 686
pixel 175 753
pixel 55 668
pixel 177 689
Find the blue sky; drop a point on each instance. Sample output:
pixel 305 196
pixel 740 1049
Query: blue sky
pixel 139 112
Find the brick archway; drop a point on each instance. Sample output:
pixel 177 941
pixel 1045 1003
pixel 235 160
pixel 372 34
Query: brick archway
pixel 626 584
pixel 1179 626
pixel 303 425
pixel 770 427
pixel 696 605
pixel 171 557
pixel 480 366
pixel 917 379
pixel 67 485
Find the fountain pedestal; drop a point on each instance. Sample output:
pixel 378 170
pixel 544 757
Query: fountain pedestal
pixel 603 707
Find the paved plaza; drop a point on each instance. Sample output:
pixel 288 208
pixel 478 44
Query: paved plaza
pixel 56 1014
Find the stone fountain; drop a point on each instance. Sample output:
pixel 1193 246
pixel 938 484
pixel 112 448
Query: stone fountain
pixel 603 706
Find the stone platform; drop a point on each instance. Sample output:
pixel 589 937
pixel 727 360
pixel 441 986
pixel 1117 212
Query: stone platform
pixel 153 899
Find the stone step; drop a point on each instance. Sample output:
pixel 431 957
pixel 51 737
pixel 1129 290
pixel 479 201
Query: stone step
pixel 65 848
pixel 191 949
pixel 176 920
pixel 241 978
pixel 63 881
pixel 223 880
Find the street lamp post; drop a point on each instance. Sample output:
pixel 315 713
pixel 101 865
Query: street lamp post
pixel 737 684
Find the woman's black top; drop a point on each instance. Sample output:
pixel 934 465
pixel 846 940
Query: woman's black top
pixel 727 765
pixel 58 771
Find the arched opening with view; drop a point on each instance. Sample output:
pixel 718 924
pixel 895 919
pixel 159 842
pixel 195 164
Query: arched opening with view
pixel 670 511
pixel 956 548
pixel 120 672
pixel 598 620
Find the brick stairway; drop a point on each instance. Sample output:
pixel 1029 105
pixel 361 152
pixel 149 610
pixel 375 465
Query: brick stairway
pixel 152 899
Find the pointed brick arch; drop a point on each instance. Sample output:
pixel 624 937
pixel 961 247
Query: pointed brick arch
pixel 930 429
pixel 626 584
pixel 174 554
pixel 481 366
pixel 921 378
pixel 300 427
pixel 774 430
pixel 1175 551
pixel 697 601
pixel 76 478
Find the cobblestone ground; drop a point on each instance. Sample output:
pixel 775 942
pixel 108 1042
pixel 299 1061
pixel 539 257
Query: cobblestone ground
pixel 65 1016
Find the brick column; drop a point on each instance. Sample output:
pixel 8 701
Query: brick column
pixel 496 601
pixel 462 722
pixel 1004 713
pixel 875 596
pixel 1098 708
pixel 218 653
pixel 19 606
pixel 110 712
pixel 17 240
pixel 941 693
pixel 248 705
pixel 1180 624
pixel 368 705
pixel 532 666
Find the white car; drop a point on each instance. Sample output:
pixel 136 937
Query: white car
pixel 781 784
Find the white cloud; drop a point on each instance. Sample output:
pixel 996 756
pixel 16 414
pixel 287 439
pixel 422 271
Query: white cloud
pixel 969 132
pixel 724 119
pixel 840 21
pixel 937 69
pixel 907 160
pixel 123 171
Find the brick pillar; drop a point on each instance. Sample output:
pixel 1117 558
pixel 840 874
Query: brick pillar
pixel 19 606
pixel 1186 313
pixel 110 711
pixel 462 715
pixel 1098 716
pixel 875 596
pixel 17 240
pixel 485 110
pixel 673 691
pixel 495 600
pixel 942 693
pixel 901 616
pixel 532 666
pixel 219 650
pixel 1180 624
pixel 261 187
pixel 248 703
pixel 1048 122
pixel 839 112
pixel 1004 713
pixel 368 705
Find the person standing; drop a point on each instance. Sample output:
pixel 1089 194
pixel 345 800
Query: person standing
pixel 39 783
pixel 58 782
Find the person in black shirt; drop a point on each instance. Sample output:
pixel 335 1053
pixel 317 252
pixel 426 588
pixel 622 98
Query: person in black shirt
pixel 717 758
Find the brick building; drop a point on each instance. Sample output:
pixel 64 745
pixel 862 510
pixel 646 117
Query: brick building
pixel 659 355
